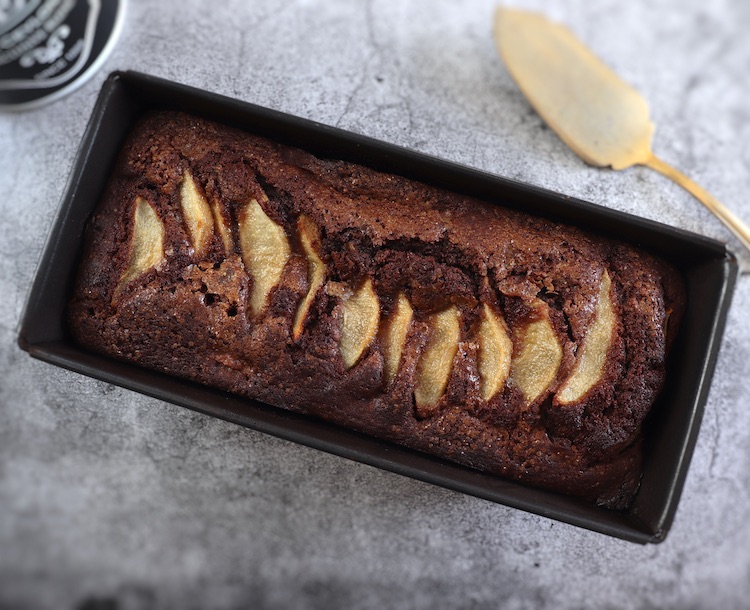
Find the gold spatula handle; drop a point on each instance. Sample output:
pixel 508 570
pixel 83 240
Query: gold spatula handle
pixel 734 224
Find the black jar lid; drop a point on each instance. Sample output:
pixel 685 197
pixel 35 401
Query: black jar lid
pixel 50 47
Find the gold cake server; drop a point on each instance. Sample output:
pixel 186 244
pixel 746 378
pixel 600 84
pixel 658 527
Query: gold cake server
pixel 602 118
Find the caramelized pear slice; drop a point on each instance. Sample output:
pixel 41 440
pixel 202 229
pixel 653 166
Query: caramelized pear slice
pixel 535 367
pixel 592 357
pixel 394 338
pixel 265 252
pixel 495 351
pixel 197 214
pixel 360 323
pixel 147 243
pixel 316 271
pixel 221 225
pixel 436 362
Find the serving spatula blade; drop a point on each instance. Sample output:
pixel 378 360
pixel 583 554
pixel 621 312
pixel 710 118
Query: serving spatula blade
pixel 596 113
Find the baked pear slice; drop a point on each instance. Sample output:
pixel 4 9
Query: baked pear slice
pixel 435 365
pixel 592 356
pixel 265 252
pixel 495 352
pixel 316 271
pixel 221 226
pixel 147 242
pixel 197 214
pixel 360 323
pixel 394 336
pixel 538 356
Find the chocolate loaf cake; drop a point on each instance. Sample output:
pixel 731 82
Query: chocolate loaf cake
pixel 502 341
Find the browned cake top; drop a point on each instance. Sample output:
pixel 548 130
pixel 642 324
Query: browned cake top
pixel 487 336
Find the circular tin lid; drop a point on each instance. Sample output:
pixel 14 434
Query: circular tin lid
pixel 50 47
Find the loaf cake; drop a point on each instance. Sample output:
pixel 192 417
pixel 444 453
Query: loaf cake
pixel 504 342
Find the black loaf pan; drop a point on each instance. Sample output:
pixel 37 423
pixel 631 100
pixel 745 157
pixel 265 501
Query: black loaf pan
pixel 710 272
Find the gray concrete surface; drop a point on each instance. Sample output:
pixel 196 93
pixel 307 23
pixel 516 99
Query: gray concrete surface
pixel 109 499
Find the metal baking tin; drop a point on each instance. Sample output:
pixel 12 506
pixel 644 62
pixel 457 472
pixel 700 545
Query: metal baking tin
pixel 710 272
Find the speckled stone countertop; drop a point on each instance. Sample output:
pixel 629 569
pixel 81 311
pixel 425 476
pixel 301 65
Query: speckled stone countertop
pixel 110 499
